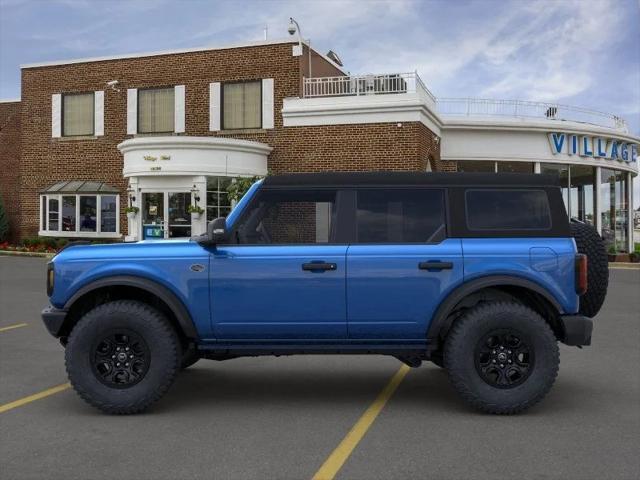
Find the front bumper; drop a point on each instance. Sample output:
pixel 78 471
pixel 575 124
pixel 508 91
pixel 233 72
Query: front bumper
pixel 577 330
pixel 53 319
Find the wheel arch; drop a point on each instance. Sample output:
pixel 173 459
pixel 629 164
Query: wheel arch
pixel 132 287
pixel 535 296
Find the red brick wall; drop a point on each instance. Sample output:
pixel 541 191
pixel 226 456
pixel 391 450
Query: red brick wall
pixel 10 162
pixel 295 149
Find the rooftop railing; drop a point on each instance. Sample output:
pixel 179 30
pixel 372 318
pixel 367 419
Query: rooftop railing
pixel 356 85
pixel 398 83
pixel 469 107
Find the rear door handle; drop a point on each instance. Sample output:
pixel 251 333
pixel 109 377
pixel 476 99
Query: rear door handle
pixel 319 266
pixel 435 265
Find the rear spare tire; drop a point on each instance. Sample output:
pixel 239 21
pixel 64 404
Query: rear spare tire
pixel 591 244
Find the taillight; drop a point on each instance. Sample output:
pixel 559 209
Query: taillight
pixel 50 278
pixel 581 274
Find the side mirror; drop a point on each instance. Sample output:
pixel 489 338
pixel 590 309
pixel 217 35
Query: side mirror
pixel 217 231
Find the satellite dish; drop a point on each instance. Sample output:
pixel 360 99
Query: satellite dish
pixel 333 56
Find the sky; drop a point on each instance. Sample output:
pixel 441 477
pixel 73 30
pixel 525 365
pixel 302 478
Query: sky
pixel 577 52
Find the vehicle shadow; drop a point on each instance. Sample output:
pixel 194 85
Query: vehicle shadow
pixel 312 386
pixel 318 387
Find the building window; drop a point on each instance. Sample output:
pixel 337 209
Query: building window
pixel 78 114
pixel 562 172
pixel 476 166
pixel 582 179
pixel 156 110
pixel 515 167
pixel 218 203
pixel 242 105
pixel 78 215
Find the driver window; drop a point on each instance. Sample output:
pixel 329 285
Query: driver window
pixel 289 217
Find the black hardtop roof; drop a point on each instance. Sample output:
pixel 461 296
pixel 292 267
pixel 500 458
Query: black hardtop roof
pixel 411 178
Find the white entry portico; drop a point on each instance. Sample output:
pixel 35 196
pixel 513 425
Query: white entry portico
pixel 168 173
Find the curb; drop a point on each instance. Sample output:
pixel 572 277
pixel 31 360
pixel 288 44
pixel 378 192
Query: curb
pixel 624 265
pixel 10 253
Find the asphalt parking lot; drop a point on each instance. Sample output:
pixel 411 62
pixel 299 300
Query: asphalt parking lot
pixel 281 418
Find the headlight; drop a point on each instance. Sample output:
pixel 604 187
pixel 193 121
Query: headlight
pixel 50 278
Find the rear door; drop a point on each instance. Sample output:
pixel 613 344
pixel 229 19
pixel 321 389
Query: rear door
pixel 285 276
pixel 401 265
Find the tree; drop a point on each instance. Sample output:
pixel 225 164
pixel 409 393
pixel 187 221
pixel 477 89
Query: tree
pixel 4 223
pixel 239 187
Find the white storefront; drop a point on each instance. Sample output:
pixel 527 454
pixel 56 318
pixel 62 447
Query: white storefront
pixel 168 173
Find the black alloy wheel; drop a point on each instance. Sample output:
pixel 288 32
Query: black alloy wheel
pixel 503 358
pixel 121 359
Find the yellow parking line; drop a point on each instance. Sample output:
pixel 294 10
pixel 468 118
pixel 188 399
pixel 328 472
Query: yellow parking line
pixel 32 398
pixel 334 463
pixel 11 327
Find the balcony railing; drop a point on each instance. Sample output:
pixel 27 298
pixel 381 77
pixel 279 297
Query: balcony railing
pixel 356 85
pixel 478 107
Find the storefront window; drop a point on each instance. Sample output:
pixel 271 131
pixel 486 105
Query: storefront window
pixel 76 215
pixel 108 217
pixel 615 210
pixel 515 167
pixel 69 213
pixel 476 166
pixel 582 202
pixel 218 203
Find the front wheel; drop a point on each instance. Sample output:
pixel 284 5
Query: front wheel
pixel 122 356
pixel 502 357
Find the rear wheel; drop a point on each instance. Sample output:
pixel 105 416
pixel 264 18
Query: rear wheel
pixel 122 356
pixel 501 357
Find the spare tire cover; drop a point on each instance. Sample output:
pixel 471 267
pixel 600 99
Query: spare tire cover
pixel 591 244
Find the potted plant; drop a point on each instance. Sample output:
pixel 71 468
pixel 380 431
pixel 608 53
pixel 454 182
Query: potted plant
pixel 195 211
pixel 131 212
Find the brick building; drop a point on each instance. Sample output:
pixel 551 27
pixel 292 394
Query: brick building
pixel 165 130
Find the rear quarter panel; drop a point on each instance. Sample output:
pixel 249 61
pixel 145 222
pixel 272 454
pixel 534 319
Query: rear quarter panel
pixel 548 262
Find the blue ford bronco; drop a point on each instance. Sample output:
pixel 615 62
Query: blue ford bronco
pixel 481 274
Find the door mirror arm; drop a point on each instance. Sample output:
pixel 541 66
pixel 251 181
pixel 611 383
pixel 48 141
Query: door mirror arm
pixel 216 233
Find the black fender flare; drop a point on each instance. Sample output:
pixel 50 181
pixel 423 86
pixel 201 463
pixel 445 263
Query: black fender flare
pixel 440 321
pixel 176 306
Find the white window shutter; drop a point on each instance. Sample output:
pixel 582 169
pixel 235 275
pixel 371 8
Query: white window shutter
pixel 214 106
pixel 56 115
pixel 132 111
pixel 98 113
pixel 178 109
pixel 267 103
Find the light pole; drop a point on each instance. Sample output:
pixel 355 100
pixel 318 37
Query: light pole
pixel 293 28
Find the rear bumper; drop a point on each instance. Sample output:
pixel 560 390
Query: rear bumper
pixel 577 330
pixel 53 319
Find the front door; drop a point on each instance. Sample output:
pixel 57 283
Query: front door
pixel 164 215
pixel 401 266
pixel 284 276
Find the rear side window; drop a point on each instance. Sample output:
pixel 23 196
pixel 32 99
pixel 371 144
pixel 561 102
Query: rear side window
pixel 507 210
pixel 400 216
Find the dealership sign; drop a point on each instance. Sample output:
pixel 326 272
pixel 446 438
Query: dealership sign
pixel 597 147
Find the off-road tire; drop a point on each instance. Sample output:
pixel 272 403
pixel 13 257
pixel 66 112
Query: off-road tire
pixel 462 343
pixel 147 323
pixel 591 244
pixel 189 356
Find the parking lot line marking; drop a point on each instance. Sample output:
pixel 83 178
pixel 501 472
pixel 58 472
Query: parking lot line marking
pixel 32 398
pixel 11 327
pixel 333 464
pixel 624 267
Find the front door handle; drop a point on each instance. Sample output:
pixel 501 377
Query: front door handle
pixel 435 265
pixel 318 266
